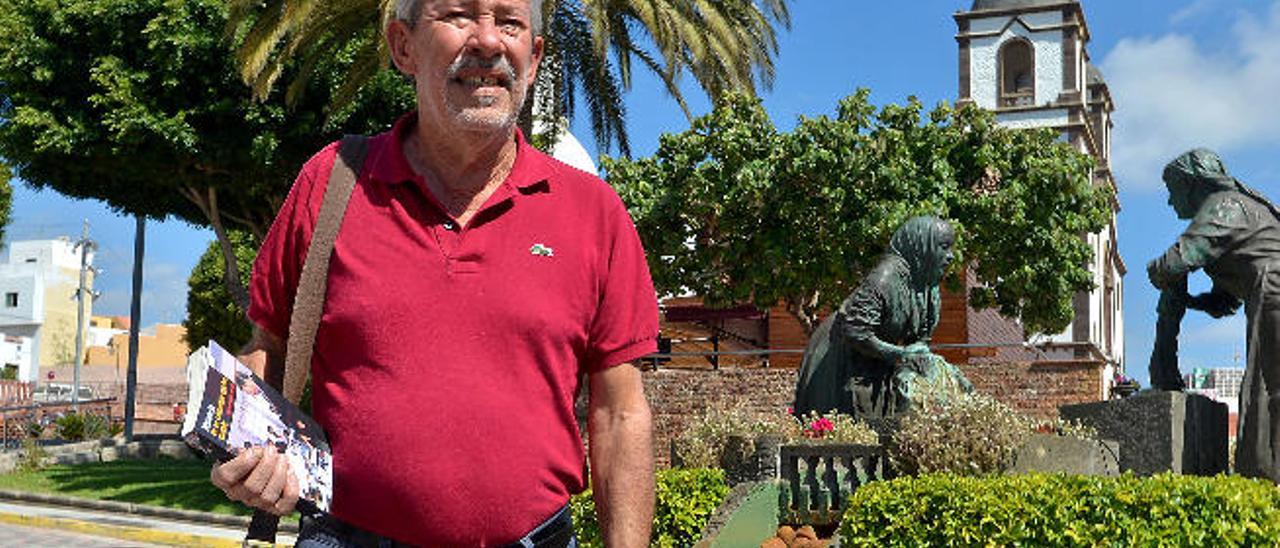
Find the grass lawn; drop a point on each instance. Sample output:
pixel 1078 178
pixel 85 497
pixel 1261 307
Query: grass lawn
pixel 158 482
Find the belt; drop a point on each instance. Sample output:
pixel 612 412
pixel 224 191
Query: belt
pixel 555 532
pixel 349 534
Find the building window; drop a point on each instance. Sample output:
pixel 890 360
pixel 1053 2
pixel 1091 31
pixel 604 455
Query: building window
pixel 11 300
pixel 1017 74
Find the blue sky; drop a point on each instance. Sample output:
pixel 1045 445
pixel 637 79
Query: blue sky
pixel 1183 73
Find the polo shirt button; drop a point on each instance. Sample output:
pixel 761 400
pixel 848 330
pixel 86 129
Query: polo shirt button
pixel 448 225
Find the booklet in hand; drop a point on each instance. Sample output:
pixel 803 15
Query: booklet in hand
pixel 229 409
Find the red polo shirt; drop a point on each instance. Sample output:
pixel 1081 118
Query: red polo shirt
pixel 448 357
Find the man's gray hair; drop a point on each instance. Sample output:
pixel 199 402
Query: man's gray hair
pixel 409 11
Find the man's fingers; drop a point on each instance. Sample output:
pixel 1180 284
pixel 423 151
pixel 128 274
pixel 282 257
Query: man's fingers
pixel 257 480
pixel 288 498
pixel 259 477
pixel 279 477
pixel 225 475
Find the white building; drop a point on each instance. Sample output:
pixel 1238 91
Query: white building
pixel 1220 383
pixel 14 351
pixel 38 281
pixel 1027 61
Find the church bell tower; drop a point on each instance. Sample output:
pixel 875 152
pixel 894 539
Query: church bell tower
pixel 1027 61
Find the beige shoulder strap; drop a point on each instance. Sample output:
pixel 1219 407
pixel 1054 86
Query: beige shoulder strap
pixel 308 303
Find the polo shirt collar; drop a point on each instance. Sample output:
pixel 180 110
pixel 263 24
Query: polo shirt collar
pixel 530 168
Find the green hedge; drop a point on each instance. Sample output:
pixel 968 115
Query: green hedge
pixel 686 500
pixel 1061 510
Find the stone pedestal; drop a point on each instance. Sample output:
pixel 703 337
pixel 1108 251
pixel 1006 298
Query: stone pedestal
pixel 1052 453
pixel 1161 431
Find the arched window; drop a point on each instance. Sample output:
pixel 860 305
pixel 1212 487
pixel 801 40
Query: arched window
pixel 1017 74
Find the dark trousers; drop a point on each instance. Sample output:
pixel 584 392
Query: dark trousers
pixel 329 532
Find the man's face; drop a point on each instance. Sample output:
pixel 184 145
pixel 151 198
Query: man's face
pixel 472 61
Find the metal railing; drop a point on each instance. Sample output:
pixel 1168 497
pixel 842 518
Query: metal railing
pixel 1037 350
pixel 14 392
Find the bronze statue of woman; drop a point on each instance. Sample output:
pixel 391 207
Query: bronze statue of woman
pixel 1235 237
pixel 863 360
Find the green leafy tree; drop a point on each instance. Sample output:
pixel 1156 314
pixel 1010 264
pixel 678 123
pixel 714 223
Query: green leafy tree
pixel 591 47
pixel 138 103
pixel 6 198
pixel 211 313
pixel 737 211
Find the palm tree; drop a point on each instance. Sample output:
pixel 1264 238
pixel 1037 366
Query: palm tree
pixel 591 46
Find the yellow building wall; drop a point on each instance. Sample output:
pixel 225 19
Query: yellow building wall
pixel 167 348
pixel 58 330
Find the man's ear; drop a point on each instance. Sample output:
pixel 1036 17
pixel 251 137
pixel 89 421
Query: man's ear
pixel 538 45
pixel 400 46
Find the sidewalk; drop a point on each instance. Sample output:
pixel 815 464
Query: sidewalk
pixel 137 524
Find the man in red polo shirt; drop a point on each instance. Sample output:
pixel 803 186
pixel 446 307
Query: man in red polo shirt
pixel 474 284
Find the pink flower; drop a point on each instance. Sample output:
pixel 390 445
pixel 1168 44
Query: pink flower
pixel 821 427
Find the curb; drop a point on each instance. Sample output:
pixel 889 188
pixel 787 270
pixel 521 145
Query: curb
pixel 204 518
pixel 120 532
pixel 145 510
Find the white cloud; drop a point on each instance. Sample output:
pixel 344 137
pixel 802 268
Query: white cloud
pixel 1173 93
pixel 1191 11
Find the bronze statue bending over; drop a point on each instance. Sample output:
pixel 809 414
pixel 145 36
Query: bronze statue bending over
pixel 1235 237
pixel 872 356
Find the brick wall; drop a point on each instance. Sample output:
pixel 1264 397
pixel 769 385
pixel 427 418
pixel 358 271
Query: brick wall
pixel 1038 388
pixel 676 396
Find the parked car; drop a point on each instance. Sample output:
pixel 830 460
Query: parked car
pixel 59 392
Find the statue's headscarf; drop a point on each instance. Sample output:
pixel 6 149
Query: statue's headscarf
pixel 1202 169
pixel 916 242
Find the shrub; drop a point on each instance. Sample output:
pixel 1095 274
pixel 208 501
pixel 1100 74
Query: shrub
pixel 973 434
pixel 81 426
pixel 1068 428
pixel 686 498
pixel 34 428
pixel 1062 510
pixel 703 442
pixel 32 456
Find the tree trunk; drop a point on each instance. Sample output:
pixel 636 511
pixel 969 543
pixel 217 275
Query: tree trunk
pixel 806 311
pixel 231 267
pixel 208 204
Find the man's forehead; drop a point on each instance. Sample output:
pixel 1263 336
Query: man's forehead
pixel 525 6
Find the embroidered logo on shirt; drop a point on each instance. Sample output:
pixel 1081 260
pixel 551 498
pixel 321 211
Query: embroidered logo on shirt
pixel 541 250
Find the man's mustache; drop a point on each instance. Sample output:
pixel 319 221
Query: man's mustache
pixel 498 63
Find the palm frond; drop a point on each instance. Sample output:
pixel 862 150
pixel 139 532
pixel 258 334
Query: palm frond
pixel 724 45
